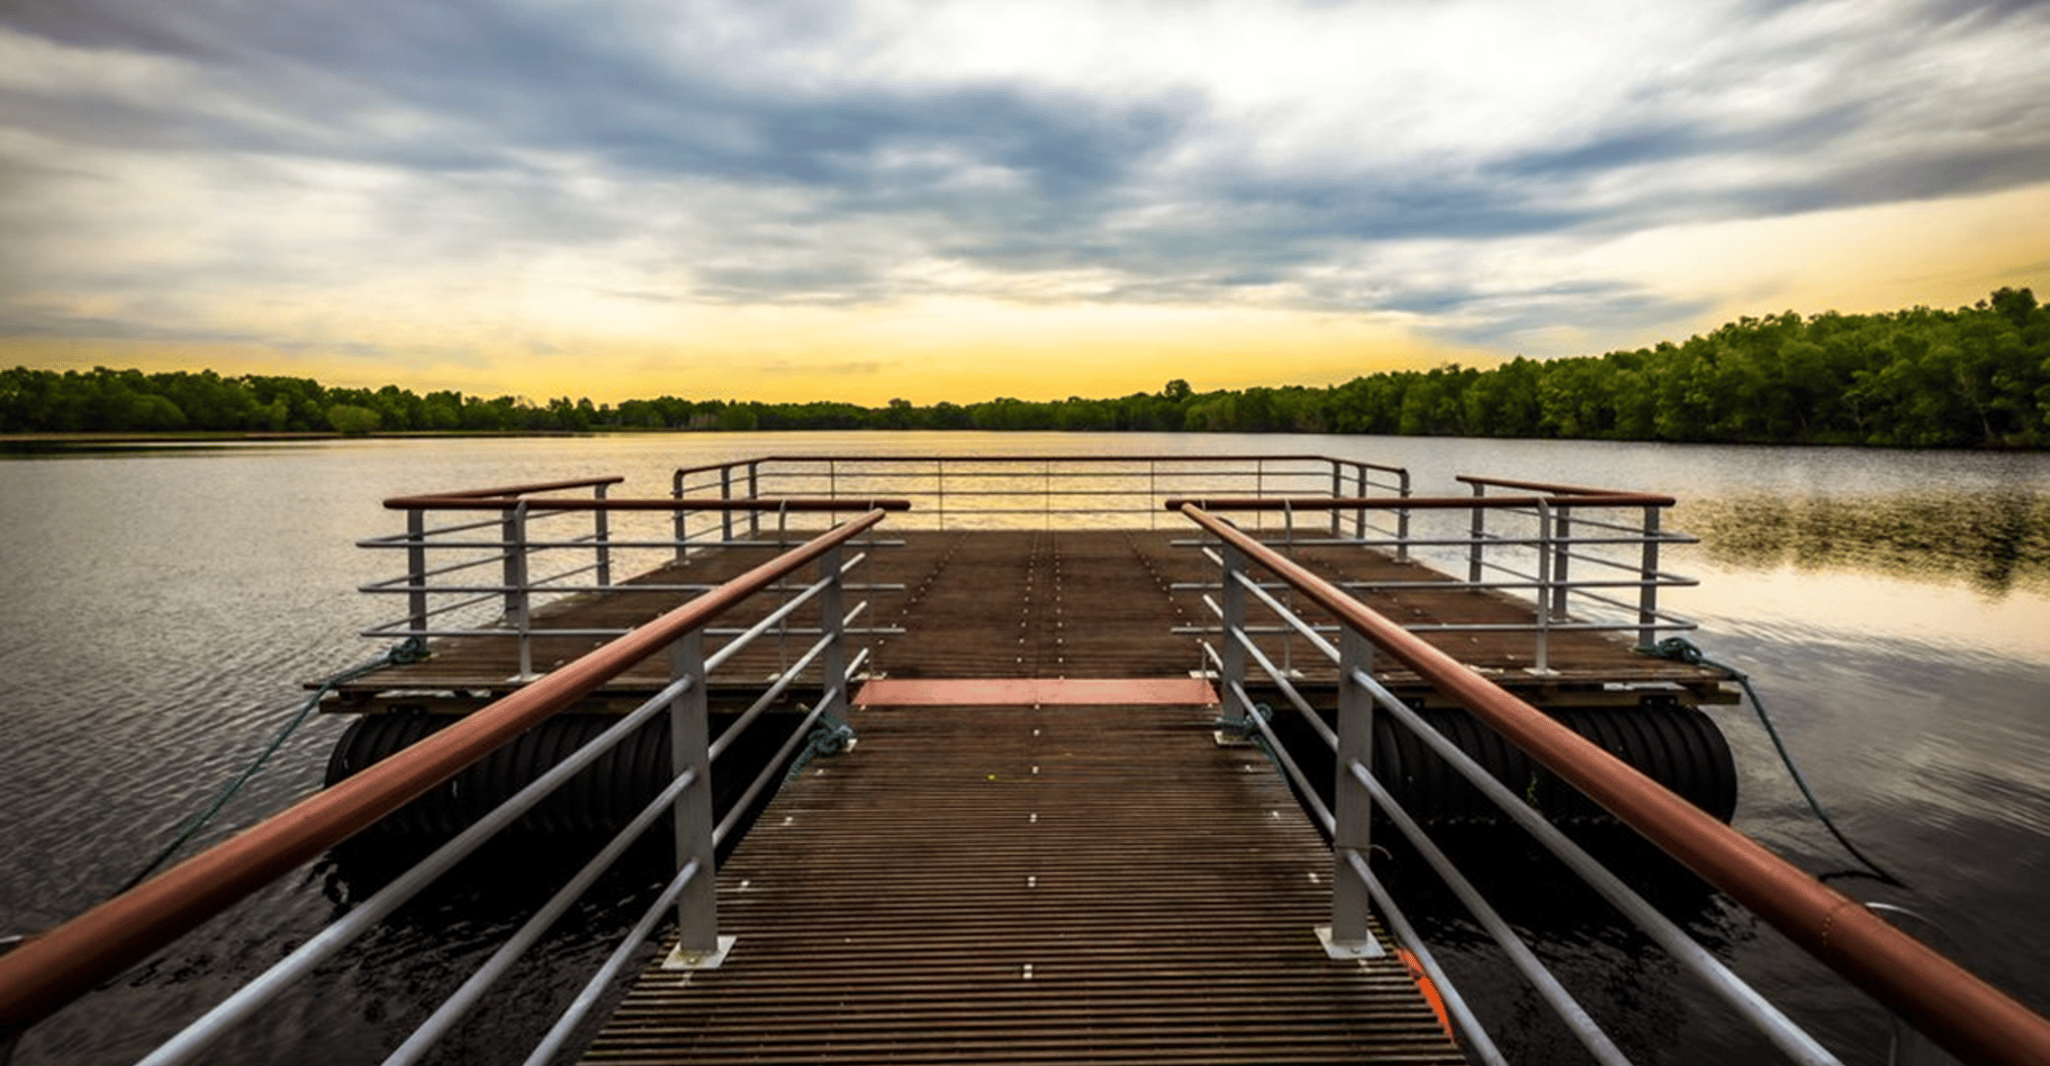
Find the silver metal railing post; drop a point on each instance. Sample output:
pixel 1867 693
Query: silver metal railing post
pixel 680 520
pixel 1480 529
pixel 1543 656
pixel 754 491
pixel 1337 490
pixel 416 573
pixel 726 493
pixel 1348 937
pixel 1648 590
pixel 699 945
pixel 1359 517
pixel 1401 516
pixel 1232 656
pixel 601 532
pixel 518 601
pixel 1562 554
pixel 832 623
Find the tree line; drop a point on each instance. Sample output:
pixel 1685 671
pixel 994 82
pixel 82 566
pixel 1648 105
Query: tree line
pixel 1978 376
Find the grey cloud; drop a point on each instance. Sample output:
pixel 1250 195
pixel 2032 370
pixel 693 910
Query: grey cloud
pixel 1012 177
pixel 1496 317
pixel 25 320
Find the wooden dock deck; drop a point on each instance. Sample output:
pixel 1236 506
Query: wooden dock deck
pixel 1039 850
pixel 1029 884
pixel 1055 604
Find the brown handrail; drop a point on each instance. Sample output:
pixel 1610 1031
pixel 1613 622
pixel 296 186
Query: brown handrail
pixel 1970 1018
pixel 1421 503
pixel 45 973
pixel 808 504
pixel 1090 458
pixel 1535 486
pixel 545 486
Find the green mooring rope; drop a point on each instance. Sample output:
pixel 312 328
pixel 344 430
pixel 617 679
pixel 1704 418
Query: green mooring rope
pixel 829 737
pixel 410 650
pixel 1248 729
pixel 1679 649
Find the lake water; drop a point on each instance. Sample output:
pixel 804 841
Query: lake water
pixel 162 606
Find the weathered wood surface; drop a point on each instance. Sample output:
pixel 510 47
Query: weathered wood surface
pixel 1055 884
pixel 1051 604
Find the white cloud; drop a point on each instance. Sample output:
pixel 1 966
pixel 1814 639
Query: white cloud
pixel 1449 162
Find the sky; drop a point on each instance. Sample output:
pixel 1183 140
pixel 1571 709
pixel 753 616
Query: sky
pixel 933 200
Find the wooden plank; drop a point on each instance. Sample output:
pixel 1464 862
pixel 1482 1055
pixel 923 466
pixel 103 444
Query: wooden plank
pixel 1060 604
pixel 1035 691
pixel 1052 884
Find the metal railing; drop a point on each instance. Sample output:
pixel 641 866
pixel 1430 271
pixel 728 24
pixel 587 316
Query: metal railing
pixel 1956 1009
pixel 1588 562
pixel 49 971
pixel 490 569
pixel 1063 491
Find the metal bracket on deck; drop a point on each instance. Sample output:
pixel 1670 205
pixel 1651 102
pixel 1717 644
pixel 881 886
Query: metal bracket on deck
pixel 1369 948
pixel 680 959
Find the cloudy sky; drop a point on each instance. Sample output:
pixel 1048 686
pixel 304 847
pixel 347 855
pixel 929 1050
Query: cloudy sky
pixel 959 200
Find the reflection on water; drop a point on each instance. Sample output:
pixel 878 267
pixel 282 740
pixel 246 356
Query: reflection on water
pixel 1991 542
pixel 161 610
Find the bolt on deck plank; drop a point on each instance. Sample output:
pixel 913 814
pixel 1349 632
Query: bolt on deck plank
pixel 1029 884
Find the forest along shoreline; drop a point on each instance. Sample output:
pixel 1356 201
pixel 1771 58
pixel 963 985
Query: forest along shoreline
pixel 1976 377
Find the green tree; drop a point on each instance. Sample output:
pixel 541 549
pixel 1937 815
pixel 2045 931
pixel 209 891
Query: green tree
pixel 352 420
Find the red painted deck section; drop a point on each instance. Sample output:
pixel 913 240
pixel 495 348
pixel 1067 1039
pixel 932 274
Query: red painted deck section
pixel 1036 692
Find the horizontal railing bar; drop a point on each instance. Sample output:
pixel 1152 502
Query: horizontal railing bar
pixel 1287 616
pixel 752 633
pixel 886 460
pixel 384 589
pixel 795 505
pixel 398 627
pixel 498 544
pixel 1473 1038
pixel 776 688
pixel 492 597
pixel 452 1009
pixel 425 534
pixel 1685 950
pixel 588 998
pixel 243 1003
pixel 812 631
pixel 616 964
pixel 1667 622
pixel 1455 585
pixel 1282 758
pixel 1290 620
pixel 790 743
pixel 1397 503
pixel 1288 689
pixel 1542 980
pixel 1573 513
pixel 417 579
pixel 51 970
pixel 1487 538
pixel 443 590
pixel 1464 586
pixel 545 486
pixel 1538 486
pixel 548 584
pixel 1965 1014
pixel 775 544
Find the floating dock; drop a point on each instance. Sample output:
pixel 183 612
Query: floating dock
pixel 999 884
pixel 992 877
pixel 1057 604
pixel 1062 837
